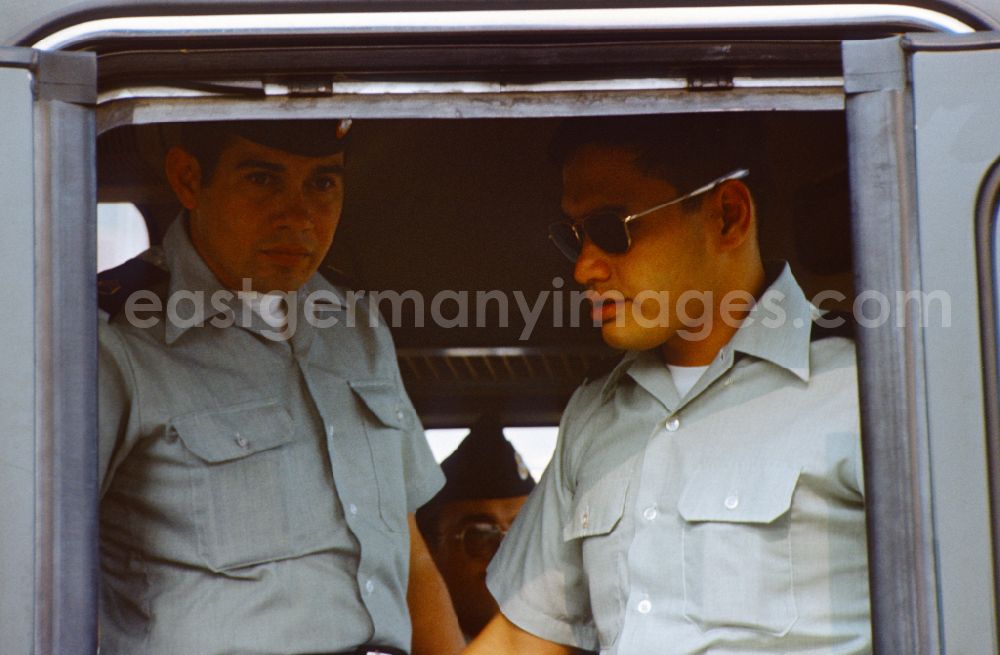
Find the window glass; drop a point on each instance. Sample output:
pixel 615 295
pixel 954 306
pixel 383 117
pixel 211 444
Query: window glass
pixel 535 444
pixel 444 441
pixel 121 234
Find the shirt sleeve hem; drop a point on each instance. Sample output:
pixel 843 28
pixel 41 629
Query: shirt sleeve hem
pixel 537 622
pixel 420 493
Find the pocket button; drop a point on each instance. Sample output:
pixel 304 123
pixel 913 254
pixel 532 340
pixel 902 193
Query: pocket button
pixel 731 502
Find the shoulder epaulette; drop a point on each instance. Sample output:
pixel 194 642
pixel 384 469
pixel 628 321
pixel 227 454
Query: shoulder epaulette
pixel 833 324
pixel 337 277
pixel 115 285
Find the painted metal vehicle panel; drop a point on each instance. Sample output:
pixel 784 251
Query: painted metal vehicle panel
pixel 921 148
pixel 29 22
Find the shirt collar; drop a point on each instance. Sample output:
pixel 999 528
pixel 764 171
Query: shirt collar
pixel 620 369
pixel 777 329
pixel 189 274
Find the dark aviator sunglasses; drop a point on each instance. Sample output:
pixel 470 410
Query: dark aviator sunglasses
pixel 609 231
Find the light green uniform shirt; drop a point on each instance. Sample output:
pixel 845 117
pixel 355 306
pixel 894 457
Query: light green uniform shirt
pixel 727 521
pixel 254 492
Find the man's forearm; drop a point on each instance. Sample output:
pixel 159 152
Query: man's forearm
pixel 501 637
pixel 435 626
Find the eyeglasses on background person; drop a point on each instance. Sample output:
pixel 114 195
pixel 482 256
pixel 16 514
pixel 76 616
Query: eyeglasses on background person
pixel 480 540
pixel 609 231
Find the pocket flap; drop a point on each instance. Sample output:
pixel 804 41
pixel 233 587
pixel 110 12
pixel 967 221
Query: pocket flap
pixel 382 399
pixel 752 493
pixel 597 510
pixel 235 432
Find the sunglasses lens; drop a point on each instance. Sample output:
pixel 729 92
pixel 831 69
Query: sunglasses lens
pixel 481 540
pixel 607 232
pixel 565 239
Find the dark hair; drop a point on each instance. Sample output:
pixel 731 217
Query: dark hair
pixel 310 138
pixel 687 150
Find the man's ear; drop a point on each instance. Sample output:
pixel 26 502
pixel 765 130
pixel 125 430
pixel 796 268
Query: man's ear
pixel 184 176
pixel 737 215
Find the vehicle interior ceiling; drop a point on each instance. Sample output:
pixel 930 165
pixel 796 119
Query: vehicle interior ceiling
pixel 462 206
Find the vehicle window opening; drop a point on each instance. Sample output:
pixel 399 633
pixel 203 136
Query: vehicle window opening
pixel 454 212
pixel 535 444
pixel 121 234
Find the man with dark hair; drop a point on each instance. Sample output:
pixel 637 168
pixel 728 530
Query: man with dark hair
pixel 706 493
pixel 260 460
pixel 486 485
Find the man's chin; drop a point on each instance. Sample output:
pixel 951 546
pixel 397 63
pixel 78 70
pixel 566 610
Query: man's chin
pixel 632 337
pixel 274 286
pixel 273 276
pixel 284 282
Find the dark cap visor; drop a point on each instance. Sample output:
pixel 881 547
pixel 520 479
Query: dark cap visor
pixel 308 138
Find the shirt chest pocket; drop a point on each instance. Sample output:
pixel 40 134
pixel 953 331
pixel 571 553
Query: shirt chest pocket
pixel 238 475
pixel 384 416
pixel 593 527
pixel 736 545
pixel 596 510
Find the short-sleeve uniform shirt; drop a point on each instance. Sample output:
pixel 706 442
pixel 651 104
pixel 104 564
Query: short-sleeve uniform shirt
pixel 254 490
pixel 727 521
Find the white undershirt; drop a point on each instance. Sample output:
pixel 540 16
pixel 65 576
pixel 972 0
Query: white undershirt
pixel 269 306
pixel 685 377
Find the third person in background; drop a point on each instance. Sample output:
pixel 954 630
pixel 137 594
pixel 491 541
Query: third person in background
pixel 486 484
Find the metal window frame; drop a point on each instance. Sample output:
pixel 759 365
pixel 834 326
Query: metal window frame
pixel 891 367
pixel 908 417
pixel 450 103
pixel 58 330
pixel 532 21
pixel 988 264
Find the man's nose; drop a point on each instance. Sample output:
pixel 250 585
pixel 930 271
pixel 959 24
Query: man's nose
pixel 592 265
pixel 295 209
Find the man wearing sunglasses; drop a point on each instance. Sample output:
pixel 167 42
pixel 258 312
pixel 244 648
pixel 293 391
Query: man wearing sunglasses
pixel 706 493
pixel 486 485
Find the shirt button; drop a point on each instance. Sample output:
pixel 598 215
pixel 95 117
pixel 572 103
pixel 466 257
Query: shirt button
pixel 722 355
pixel 649 513
pixel 370 586
pixel 673 424
pixel 329 432
pixel 731 502
pixel 241 441
pixel 585 519
pixel 399 414
pixel 644 606
pixel 352 508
